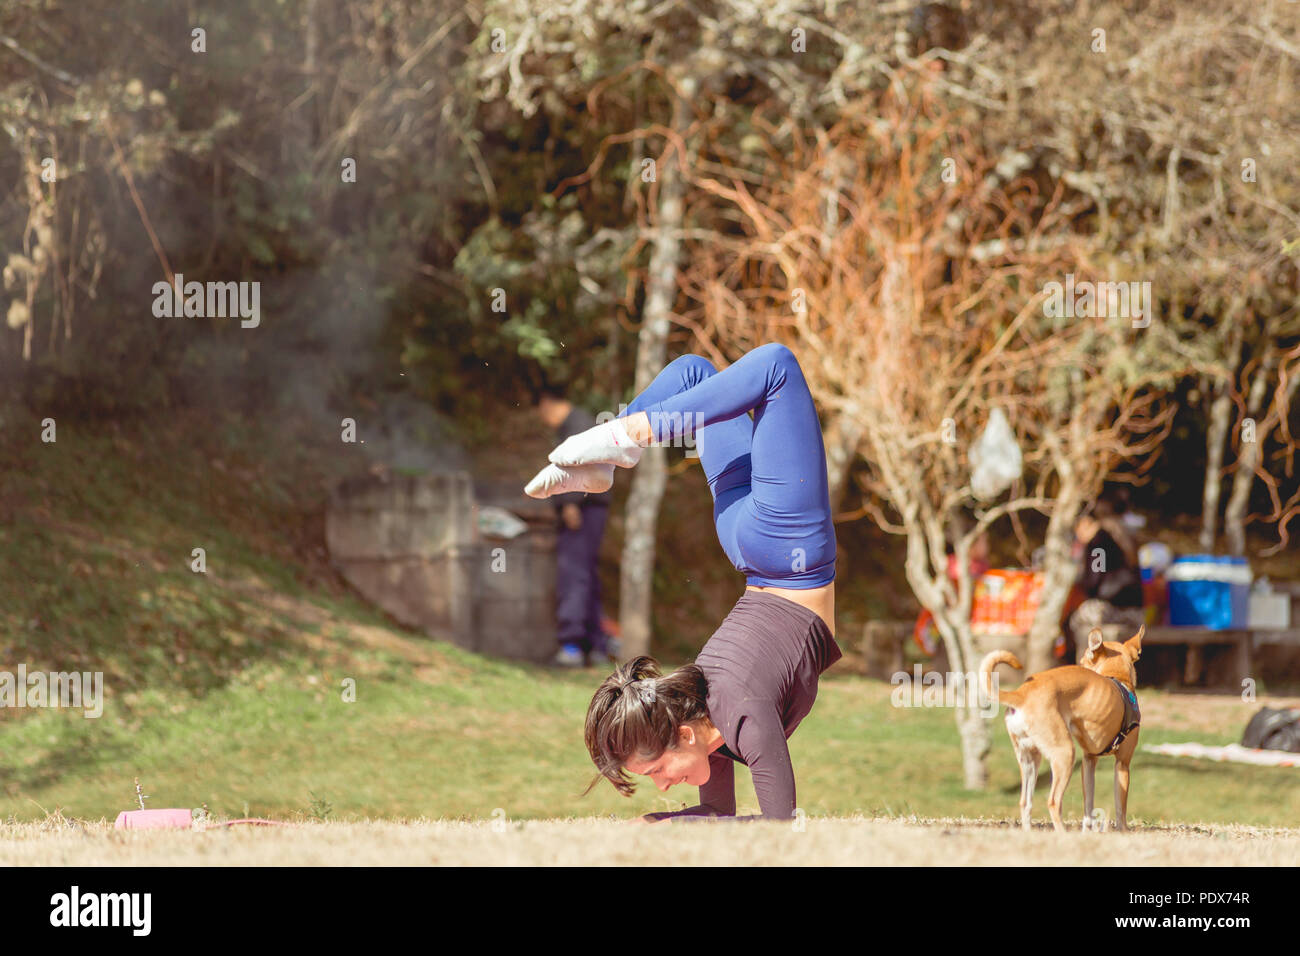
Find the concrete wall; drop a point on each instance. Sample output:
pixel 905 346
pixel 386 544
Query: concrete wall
pixel 410 545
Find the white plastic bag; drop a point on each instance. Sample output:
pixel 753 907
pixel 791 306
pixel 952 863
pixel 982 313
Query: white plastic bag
pixel 995 458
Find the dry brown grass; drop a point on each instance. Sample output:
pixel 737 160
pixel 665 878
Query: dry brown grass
pixel 601 842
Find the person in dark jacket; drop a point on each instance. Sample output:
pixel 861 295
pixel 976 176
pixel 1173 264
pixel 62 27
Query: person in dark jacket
pixel 1110 581
pixel 581 518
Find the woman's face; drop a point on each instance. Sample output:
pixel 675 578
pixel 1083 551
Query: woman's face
pixel 687 763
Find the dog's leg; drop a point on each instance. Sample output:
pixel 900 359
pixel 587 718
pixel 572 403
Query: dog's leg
pixel 1027 756
pixel 1121 794
pixel 1122 758
pixel 1062 760
pixel 1028 780
pixel 1089 783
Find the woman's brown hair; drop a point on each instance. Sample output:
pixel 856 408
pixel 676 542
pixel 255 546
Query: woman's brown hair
pixel 636 712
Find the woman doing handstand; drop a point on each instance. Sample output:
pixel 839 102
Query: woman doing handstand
pixel 756 678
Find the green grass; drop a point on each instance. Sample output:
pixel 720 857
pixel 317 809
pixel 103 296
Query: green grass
pixel 464 736
pixel 225 689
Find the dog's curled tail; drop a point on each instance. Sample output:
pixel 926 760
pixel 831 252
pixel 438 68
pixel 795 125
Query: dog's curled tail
pixel 1011 698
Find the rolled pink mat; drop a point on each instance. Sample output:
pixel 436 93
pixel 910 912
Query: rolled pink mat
pixel 154 820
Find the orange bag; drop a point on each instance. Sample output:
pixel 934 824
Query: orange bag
pixel 1005 602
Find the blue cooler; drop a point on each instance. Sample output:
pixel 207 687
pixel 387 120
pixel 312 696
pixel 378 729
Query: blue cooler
pixel 1207 590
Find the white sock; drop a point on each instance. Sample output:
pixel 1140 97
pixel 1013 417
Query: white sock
pixel 555 480
pixel 606 442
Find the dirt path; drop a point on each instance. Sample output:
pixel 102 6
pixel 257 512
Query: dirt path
pixel 820 842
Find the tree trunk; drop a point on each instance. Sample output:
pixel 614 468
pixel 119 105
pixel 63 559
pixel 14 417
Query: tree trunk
pixel 843 433
pixel 311 40
pixel 1059 567
pixel 1234 518
pixel 972 725
pixel 1215 439
pixel 636 583
pixel 1220 413
pixel 1060 572
pixel 976 743
pixel 953 624
pixel 843 437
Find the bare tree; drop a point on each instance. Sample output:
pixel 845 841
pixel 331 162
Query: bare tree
pixel 919 316
pixel 1267 404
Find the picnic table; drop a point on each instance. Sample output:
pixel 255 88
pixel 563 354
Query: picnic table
pixel 1223 657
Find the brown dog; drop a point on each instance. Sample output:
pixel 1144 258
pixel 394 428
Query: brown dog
pixel 1093 703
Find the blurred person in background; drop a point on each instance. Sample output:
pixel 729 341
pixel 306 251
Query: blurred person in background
pixel 1109 587
pixel 581 518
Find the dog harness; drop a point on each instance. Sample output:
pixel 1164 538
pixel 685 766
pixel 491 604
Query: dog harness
pixel 1132 717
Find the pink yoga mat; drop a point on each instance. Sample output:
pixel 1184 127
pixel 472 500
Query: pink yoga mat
pixel 154 820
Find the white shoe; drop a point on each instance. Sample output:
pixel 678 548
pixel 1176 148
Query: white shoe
pixel 606 442
pixel 554 480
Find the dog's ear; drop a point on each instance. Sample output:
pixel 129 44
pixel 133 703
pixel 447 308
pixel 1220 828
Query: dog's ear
pixel 1093 650
pixel 1134 644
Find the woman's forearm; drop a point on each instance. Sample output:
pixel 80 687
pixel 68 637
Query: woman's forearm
pixel 698 812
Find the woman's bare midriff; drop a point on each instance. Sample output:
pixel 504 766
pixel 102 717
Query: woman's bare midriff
pixel 821 601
